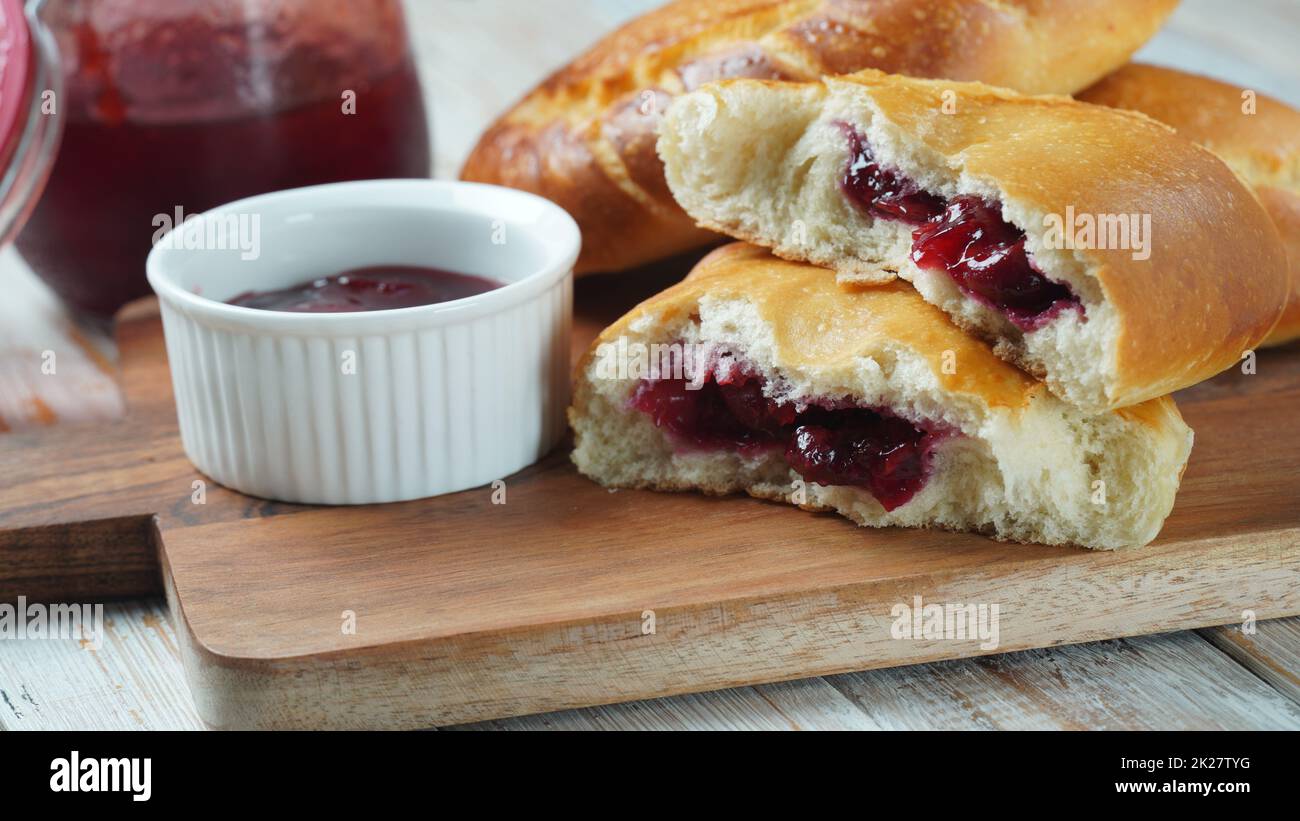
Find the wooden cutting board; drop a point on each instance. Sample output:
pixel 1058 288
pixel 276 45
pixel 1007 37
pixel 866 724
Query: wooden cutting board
pixel 458 609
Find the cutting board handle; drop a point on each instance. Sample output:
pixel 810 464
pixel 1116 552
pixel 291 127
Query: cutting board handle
pixel 81 562
pixel 78 502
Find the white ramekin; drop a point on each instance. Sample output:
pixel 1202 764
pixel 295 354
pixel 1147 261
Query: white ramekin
pixel 382 406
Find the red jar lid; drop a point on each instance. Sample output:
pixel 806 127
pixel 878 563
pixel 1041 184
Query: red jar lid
pixel 15 73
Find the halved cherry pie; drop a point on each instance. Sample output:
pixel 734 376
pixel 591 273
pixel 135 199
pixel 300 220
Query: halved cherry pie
pixel 1093 247
pixel 760 375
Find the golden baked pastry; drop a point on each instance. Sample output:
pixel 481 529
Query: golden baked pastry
pixel 1259 138
pixel 1094 247
pixel 585 137
pixel 760 375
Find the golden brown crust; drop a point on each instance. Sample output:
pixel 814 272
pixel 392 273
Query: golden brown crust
pixel 817 323
pixel 1181 320
pixel 1257 136
pixel 584 137
pixel 1032 476
pixel 1284 207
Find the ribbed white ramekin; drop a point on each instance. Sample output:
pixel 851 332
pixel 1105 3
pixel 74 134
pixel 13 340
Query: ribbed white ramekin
pixel 381 406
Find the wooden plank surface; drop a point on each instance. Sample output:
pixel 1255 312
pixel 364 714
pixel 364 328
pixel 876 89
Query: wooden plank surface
pixel 51 368
pixel 1174 681
pixel 1271 650
pixel 468 610
pixel 519 43
pixel 132 682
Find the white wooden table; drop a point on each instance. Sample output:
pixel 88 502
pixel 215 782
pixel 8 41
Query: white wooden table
pixel 477 56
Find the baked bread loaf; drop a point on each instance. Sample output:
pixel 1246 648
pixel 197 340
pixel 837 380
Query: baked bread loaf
pixel 585 137
pixel 867 401
pixel 1259 138
pixel 1093 247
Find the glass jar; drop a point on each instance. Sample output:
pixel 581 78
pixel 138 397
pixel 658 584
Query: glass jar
pixel 29 117
pixel 172 107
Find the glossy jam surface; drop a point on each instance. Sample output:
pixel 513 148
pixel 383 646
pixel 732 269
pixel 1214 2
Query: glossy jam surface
pixel 966 237
pixel 379 288
pixel 986 257
pixel 884 192
pixel 860 447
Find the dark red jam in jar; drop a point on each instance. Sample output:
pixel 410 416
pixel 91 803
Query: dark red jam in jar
pixel 378 288
pixel 187 105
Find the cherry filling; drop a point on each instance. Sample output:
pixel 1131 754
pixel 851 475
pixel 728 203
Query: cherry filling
pixel 881 191
pixel 735 415
pixel 986 257
pixel 966 237
pixel 861 447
